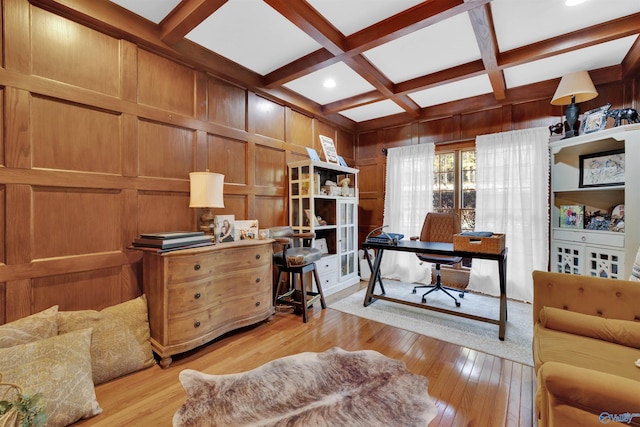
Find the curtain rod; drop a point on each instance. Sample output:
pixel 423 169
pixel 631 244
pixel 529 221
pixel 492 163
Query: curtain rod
pixel 456 141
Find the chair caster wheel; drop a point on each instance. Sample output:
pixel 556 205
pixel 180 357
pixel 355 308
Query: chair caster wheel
pixel 414 291
pixel 461 295
pixel 457 304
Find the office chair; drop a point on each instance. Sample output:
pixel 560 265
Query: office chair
pixel 296 260
pixel 439 227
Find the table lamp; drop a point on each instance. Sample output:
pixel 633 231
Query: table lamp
pixel 207 190
pixel 574 88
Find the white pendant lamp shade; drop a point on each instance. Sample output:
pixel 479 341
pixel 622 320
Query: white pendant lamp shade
pixel 576 84
pixel 207 190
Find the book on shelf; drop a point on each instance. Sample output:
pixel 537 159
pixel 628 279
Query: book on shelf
pixel 171 243
pixel 171 235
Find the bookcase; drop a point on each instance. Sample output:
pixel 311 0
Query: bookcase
pixel 595 203
pixel 323 199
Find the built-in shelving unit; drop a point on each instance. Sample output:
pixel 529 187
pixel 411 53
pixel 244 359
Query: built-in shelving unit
pixel 319 204
pixel 582 249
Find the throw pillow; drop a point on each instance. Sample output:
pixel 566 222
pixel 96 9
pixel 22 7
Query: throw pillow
pixel 121 338
pixel 31 328
pixel 58 367
pixel 624 332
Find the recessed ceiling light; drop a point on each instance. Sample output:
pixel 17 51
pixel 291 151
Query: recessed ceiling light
pixel 329 83
pixel 574 2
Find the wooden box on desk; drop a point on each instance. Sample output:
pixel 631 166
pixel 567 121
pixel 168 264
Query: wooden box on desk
pixel 493 244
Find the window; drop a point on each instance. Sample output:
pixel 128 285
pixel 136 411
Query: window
pixel 454 184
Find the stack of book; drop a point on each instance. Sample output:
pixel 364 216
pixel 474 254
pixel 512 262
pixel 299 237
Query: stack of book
pixel 172 240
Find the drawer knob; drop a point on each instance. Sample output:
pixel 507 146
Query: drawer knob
pixel 583 238
pixel 197 295
pixel 258 280
pixel 258 256
pixel 196 267
pixel 257 303
pixel 196 324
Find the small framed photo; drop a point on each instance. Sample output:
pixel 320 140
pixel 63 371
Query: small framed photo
pixel 342 162
pixel 225 228
pixel 602 169
pixel 329 149
pixel 571 216
pixel 595 120
pixel 246 229
pixel 313 154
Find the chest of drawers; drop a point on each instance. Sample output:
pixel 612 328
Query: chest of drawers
pixel 196 295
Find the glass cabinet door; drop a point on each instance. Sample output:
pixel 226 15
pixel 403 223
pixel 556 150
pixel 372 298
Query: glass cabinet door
pixel 347 238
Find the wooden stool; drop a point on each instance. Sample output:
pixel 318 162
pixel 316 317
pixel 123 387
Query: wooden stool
pixel 296 297
pixel 296 260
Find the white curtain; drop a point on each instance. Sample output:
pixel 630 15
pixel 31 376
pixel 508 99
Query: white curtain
pixel 408 198
pixel 512 182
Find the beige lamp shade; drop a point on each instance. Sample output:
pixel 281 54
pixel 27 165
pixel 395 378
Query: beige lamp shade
pixel 576 84
pixel 207 190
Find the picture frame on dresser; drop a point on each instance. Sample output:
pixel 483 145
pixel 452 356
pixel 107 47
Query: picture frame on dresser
pixel 602 169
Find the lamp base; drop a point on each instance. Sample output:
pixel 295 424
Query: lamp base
pixel 572 112
pixel 208 221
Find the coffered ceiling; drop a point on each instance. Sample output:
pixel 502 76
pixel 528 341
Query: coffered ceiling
pixel 393 58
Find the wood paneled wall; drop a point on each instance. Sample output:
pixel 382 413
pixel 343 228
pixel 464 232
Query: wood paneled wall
pixel 464 126
pixel 98 137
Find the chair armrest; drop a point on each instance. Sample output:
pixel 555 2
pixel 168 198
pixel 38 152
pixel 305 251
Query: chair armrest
pixel 307 235
pixel 570 395
pixel 282 240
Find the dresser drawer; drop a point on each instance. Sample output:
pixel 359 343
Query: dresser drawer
pixel 242 258
pixel 187 297
pixel 591 237
pixel 189 268
pixel 219 317
pixel 241 282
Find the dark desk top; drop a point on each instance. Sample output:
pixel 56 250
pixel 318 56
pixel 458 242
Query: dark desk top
pixel 433 248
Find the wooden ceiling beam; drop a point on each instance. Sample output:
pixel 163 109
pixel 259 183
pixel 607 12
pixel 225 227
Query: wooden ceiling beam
pixel 482 23
pixel 185 17
pixel 422 15
pixel 311 22
pixel 631 62
pixel 596 34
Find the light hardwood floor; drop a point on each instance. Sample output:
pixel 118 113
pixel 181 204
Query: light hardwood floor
pixel 470 388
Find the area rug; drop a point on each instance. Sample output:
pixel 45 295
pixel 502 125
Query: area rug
pixel 473 334
pixel 333 388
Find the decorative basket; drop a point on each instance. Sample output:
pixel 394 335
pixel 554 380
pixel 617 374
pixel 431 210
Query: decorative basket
pixel 487 245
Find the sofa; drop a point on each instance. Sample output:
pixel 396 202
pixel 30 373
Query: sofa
pixel 586 344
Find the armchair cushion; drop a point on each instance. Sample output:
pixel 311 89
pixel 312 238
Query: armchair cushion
pixel 624 332
pixel 298 256
pixel 591 394
pixel 584 352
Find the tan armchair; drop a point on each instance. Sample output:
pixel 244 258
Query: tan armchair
pixel 585 345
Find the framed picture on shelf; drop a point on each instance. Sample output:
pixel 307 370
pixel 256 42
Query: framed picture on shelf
pixel 572 216
pixel 225 228
pixel 329 150
pixel 595 120
pixel 602 169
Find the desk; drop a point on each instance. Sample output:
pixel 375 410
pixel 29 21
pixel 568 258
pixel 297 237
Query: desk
pixel 440 249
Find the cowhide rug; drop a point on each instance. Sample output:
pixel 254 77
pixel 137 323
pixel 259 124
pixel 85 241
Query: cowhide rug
pixel 333 388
